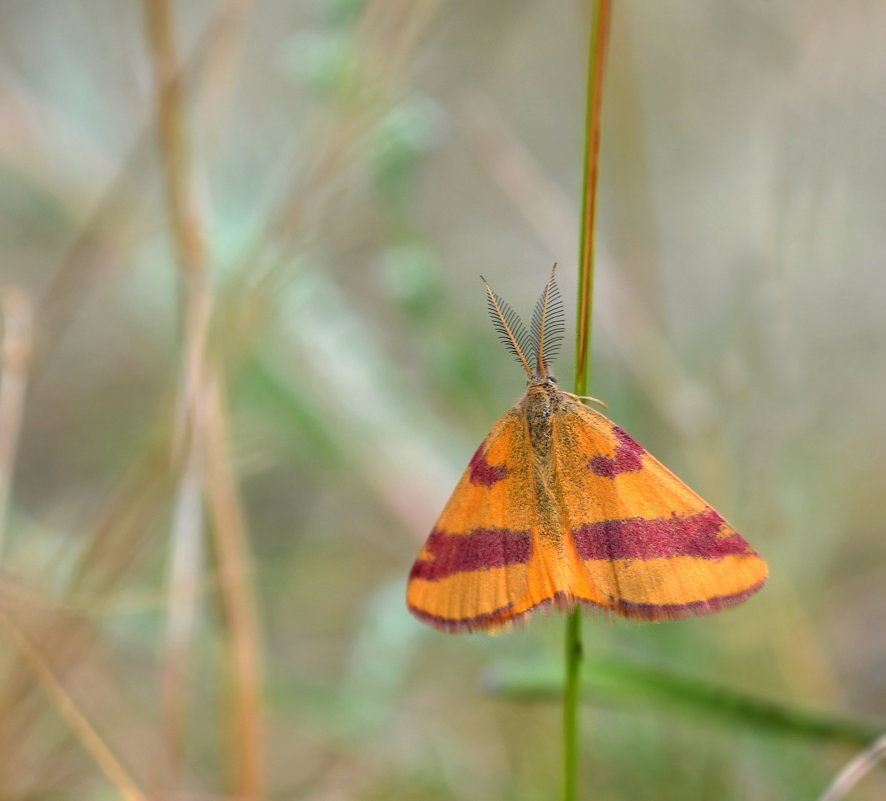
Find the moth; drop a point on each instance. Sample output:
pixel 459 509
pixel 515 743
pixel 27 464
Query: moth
pixel 560 507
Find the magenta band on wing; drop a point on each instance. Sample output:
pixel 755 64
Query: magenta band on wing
pixel 628 457
pixel 499 617
pixel 638 538
pixel 480 550
pixel 461 625
pixel 679 611
pixel 625 608
pixel 484 473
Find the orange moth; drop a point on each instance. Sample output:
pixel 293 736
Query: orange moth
pixel 559 506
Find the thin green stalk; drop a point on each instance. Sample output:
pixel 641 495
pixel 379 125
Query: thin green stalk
pixel 596 62
pixel 571 698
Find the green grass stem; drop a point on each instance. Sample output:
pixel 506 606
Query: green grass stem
pixel 599 33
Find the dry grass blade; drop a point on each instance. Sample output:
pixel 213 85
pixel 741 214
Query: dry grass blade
pixel 17 313
pixel 238 600
pixel 186 535
pixel 200 428
pixel 92 741
pixel 853 773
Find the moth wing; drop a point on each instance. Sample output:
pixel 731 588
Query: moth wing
pixel 648 546
pixel 472 572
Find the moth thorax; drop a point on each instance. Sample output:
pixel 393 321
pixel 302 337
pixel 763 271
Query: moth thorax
pixel 540 406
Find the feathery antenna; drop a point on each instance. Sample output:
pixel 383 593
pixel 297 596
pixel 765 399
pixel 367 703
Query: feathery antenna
pixel 548 325
pixel 541 343
pixel 511 330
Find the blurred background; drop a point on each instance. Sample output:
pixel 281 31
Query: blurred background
pixel 246 360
